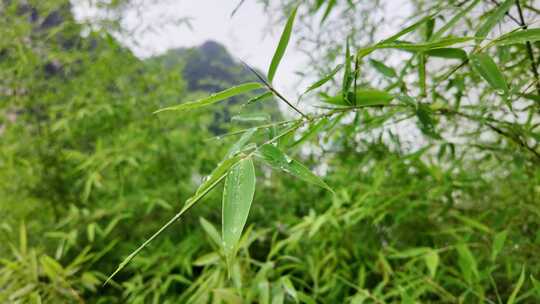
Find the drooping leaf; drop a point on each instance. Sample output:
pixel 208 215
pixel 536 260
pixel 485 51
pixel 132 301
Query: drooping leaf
pixel 428 29
pixel 217 176
pixel 275 158
pixel 517 37
pixel 450 24
pixel 335 100
pixel 260 97
pixel 521 280
pixel 328 10
pixel 372 97
pixel 207 259
pixel 467 263
pixel 313 130
pixel 237 146
pixel 251 117
pixel 407 30
pixel 383 68
pixel 289 288
pixel 470 222
pixel 282 46
pixel 410 253
pixel 363 97
pixel 432 262
pixel 498 244
pixel 203 102
pixel 495 16
pixel 237 198
pixel 226 295
pixel 323 80
pixel 347 79
pixel 487 68
pixel 367 50
pixel 210 231
pixel 426 46
pixel 532 97
pixel 422 73
pixel 448 53
pixel 426 122
pixel 219 173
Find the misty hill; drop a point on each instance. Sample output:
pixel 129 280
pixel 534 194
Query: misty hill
pixel 208 67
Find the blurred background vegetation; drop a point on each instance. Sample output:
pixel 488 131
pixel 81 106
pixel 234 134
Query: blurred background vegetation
pixel 87 173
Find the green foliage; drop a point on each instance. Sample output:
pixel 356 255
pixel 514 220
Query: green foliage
pixel 409 181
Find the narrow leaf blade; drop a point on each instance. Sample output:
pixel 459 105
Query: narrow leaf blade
pixel 282 46
pixel 203 102
pixel 517 37
pixel 237 198
pixel 323 80
pixel 486 67
pixel 279 160
pixel 493 18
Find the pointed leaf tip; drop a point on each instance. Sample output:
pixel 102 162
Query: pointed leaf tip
pixel 282 45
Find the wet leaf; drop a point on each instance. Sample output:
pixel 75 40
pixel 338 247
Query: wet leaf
pixel 486 67
pixel 495 16
pixel 203 102
pixel 383 68
pixel 282 46
pixel 280 161
pixel 237 198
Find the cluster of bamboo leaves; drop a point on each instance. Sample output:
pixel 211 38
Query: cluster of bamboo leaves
pixel 364 220
pixel 238 170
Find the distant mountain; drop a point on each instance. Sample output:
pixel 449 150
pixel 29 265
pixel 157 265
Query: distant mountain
pixel 208 67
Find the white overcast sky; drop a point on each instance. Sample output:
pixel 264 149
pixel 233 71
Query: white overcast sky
pixel 248 35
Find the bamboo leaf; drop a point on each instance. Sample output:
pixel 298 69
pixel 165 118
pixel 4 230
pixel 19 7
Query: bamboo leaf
pixel 237 198
pixel 275 158
pixel 432 262
pixel 260 97
pixel 282 46
pixel 494 17
pixel 422 73
pixel 498 244
pixel 450 24
pixel 521 280
pixel 289 288
pixel 486 67
pixel 237 146
pixel 328 10
pixel 251 117
pixel 217 176
pixel 347 79
pixel 426 122
pixel 207 259
pixel 323 80
pixel 203 102
pixel 363 97
pixel 372 97
pixel 407 30
pixel 383 68
pixel 448 53
pixel 424 47
pixel 210 231
pixel 467 263
pixel 313 130
pixel 367 50
pixel 517 37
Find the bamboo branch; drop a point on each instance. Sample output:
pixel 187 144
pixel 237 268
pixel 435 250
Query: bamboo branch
pixel 530 52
